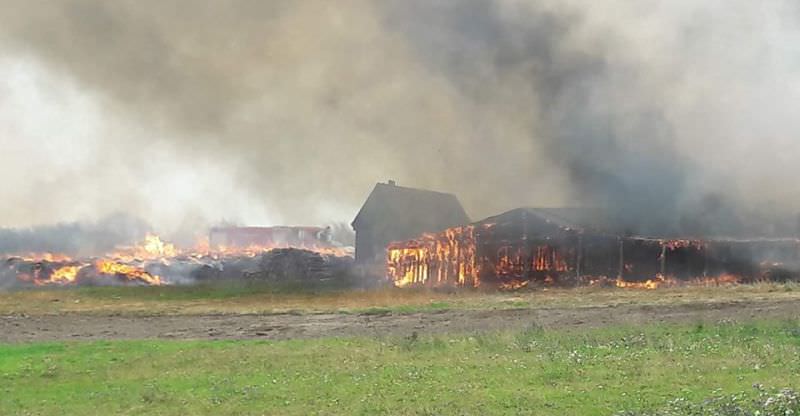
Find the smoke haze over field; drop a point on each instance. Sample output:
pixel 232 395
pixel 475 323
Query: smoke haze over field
pixel 676 115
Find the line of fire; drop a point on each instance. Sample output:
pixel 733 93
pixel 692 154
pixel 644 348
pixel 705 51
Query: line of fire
pixel 418 237
pixel 537 246
pixel 230 252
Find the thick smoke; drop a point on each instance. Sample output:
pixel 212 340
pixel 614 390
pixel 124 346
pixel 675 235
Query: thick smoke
pixel 74 239
pixel 675 116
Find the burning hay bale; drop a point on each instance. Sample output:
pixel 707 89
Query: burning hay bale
pixel 155 262
pixel 279 265
pixel 22 272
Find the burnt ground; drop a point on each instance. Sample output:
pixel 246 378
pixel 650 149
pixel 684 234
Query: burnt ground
pixel 73 326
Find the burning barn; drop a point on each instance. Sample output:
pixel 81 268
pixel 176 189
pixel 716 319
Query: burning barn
pixel 570 246
pixel 522 244
pixel 394 213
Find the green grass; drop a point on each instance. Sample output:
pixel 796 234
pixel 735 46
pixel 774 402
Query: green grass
pixel 540 372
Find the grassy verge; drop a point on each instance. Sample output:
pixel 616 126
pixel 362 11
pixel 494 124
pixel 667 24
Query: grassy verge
pixel 243 298
pixel 539 372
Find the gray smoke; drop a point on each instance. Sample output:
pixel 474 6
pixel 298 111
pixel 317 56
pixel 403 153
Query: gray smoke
pixel 74 239
pixel 674 116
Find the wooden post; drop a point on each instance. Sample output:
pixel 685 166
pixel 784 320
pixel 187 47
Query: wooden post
pixel 527 255
pixel 579 259
pixel 621 274
pixel 524 224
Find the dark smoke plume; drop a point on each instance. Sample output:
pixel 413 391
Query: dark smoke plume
pixel 675 117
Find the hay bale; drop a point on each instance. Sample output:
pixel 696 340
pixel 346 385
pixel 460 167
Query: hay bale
pixel 291 264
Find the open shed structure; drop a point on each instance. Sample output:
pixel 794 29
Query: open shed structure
pixel 571 246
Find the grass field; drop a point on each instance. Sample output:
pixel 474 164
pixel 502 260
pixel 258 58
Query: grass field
pixel 560 371
pixel 231 298
pixel 539 372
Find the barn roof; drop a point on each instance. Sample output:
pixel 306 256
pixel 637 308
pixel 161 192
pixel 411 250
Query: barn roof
pixel 416 209
pixel 583 219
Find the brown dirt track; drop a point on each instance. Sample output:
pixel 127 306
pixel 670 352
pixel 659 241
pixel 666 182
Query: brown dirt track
pixel 76 326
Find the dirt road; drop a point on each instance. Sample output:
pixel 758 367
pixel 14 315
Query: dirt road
pixel 21 328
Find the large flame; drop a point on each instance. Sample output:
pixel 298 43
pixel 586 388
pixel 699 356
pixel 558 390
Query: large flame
pixel 152 248
pixel 436 259
pixel 64 275
pixel 128 272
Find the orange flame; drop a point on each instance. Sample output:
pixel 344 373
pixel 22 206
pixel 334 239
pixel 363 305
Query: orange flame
pixel 662 281
pixel 257 250
pixel 438 259
pixel 647 284
pixel 125 261
pixel 152 248
pixel 49 257
pixel 514 284
pixel 63 275
pixel 129 272
pixel 155 247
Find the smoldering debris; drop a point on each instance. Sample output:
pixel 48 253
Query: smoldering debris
pixel 287 265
